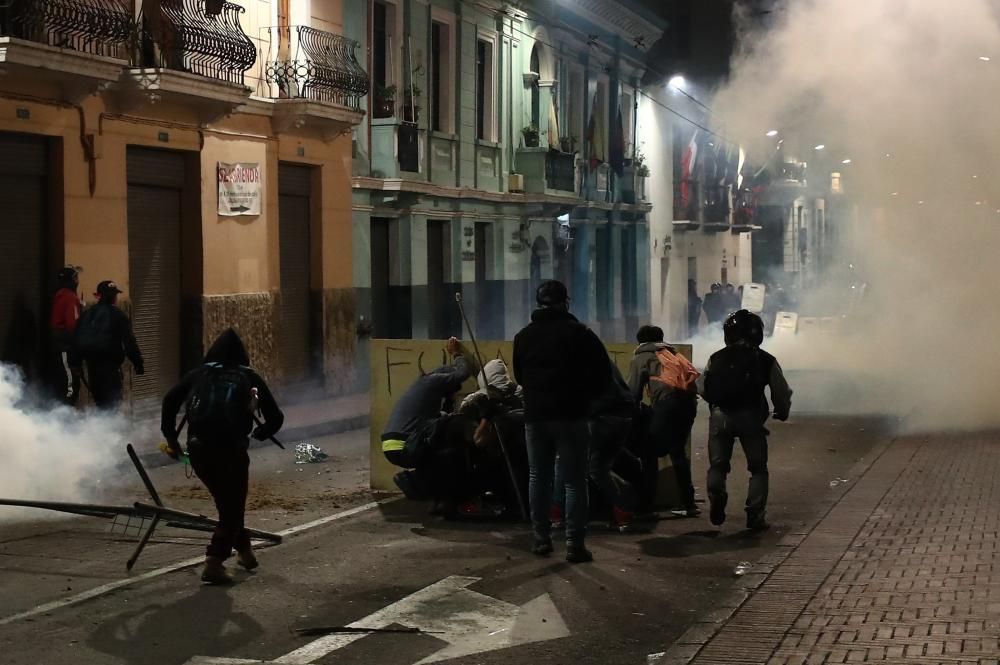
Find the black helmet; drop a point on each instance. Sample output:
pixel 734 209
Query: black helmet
pixel 552 293
pixel 743 326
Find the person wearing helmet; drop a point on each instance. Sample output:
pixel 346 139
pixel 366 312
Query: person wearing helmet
pixel 714 305
pixel 733 385
pixel 562 368
pixel 62 322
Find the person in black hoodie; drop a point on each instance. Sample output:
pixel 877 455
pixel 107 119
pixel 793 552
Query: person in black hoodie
pixel 562 367
pixel 733 384
pixel 221 397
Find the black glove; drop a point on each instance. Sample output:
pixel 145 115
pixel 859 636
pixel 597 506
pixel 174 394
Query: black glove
pixel 259 434
pixel 140 369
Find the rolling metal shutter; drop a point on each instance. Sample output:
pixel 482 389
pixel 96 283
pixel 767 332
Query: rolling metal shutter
pixel 294 190
pixel 155 183
pixel 23 318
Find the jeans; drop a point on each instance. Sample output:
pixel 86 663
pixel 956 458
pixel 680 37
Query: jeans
pixel 225 470
pixel 608 437
pixel 724 428
pixel 570 440
pixel 670 428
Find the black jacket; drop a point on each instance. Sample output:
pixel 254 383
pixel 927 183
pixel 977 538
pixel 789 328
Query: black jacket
pixel 765 373
pixel 561 365
pixel 122 339
pixel 227 350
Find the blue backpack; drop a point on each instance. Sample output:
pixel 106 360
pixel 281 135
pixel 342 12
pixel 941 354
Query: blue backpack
pixel 220 403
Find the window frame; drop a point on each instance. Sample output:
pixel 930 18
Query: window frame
pixel 491 129
pixel 445 104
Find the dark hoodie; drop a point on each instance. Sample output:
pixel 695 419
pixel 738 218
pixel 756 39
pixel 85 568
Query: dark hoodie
pixel 228 350
pixel 562 366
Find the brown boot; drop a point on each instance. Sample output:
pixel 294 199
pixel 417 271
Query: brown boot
pixel 214 572
pixel 246 558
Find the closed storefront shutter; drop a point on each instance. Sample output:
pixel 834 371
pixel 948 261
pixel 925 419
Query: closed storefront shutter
pixel 294 188
pixel 155 183
pixel 23 227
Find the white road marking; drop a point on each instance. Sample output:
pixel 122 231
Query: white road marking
pixel 467 621
pixel 187 563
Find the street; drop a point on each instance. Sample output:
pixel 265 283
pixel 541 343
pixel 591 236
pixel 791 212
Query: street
pixel 474 588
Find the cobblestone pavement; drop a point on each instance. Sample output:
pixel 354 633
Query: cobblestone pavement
pixel 905 568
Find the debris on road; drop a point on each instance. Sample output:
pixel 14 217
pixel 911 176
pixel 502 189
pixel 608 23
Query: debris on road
pixel 742 568
pixel 307 453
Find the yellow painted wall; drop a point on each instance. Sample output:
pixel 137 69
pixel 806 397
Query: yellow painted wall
pixel 395 364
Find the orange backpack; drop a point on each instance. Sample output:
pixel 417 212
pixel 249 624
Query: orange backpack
pixel 676 371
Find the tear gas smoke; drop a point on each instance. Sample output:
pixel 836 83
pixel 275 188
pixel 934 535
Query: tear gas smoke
pixel 56 455
pixel 900 90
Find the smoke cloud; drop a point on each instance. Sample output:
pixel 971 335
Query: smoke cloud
pixel 55 454
pixel 908 92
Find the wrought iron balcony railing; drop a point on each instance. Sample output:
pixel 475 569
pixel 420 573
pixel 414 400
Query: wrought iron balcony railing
pixel 560 171
pixel 181 35
pixel 306 63
pixel 98 27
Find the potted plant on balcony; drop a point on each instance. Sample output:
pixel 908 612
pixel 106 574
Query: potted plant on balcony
pixel 641 173
pixel 530 134
pixel 385 101
pixel 411 107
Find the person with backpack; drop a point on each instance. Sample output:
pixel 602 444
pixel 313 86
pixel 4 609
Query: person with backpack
pixel 563 368
pixel 670 379
pixel 221 399
pixel 103 339
pixel 733 385
pixel 62 323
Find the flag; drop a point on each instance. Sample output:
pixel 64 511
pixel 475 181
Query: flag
pixel 591 135
pixel 616 151
pixel 688 160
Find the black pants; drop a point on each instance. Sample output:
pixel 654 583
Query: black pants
pixel 225 470
pixel 638 464
pixel 724 428
pixel 670 426
pixel 105 381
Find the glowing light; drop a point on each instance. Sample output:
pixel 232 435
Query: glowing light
pixel 820 146
pixel 974 177
pixel 773 132
pixel 920 203
pixel 984 58
pixel 846 161
pixel 894 194
pixel 676 82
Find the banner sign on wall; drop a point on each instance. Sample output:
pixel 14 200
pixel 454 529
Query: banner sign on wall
pixel 239 188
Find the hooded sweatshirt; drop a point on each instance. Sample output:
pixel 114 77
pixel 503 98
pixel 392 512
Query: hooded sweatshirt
pixel 420 406
pixel 644 365
pixel 227 350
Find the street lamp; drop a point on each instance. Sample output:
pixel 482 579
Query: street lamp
pixel 677 81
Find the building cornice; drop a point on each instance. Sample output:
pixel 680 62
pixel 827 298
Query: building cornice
pixel 615 18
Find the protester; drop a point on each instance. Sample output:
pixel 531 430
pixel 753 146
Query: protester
pixel 563 367
pixel 731 300
pixel 733 385
pixel 410 426
pixel 221 398
pixel 103 339
pixel 62 323
pixel 669 378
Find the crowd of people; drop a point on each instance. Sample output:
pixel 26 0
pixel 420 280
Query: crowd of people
pixel 576 437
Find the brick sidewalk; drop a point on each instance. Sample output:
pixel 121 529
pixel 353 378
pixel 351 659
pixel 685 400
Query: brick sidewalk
pixel 905 568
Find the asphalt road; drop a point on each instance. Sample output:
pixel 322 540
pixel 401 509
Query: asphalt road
pixel 474 587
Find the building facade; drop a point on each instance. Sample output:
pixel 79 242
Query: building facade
pixel 122 125
pixel 498 150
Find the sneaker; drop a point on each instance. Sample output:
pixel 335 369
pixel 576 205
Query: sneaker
pixel 214 572
pixel 579 555
pixel 717 514
pixel 556 516
pixel 542 548
pixel 246 559
pixel 621 519
pixel 757 523
pixel 690 511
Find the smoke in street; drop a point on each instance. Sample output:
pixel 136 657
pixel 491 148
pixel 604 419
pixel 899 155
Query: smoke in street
pixel 56 454
pixel 907 92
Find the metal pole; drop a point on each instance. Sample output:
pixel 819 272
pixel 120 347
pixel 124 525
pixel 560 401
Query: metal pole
pixel 142 474
pixel 146 509
pixel 142 543
pixel 496 430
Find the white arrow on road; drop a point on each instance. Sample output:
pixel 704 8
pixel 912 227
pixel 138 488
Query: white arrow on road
pixel 470 622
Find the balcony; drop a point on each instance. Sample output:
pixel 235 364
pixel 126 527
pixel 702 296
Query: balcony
pixel 81 46
pixel 687 208
pixel 191 56
pixel 314 78
pixel 548 171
